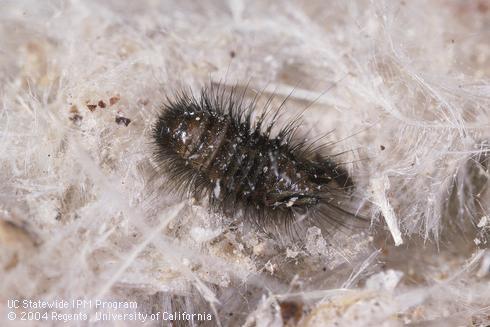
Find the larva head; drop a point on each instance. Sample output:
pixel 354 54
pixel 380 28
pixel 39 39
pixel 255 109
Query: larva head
pixel 194 136
pixel 177 131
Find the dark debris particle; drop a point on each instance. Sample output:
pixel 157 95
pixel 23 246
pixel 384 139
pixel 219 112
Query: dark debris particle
pixel 76 118
pixel 101 104
pixel 113 100
pixel 91 107
pixel 232 54
pixel 382 147
pixel 122 120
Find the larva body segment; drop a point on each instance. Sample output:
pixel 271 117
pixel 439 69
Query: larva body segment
pixel 210 148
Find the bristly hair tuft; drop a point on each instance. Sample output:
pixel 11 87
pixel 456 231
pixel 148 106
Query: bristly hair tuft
pixel 210 147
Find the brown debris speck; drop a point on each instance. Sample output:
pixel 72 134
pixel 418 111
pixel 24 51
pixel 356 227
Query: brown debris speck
pixel 74 109
pixel 101 104
pixel 75 114
pixel 291 311
pixel 483 6
pixel 122 120
pixel 113 100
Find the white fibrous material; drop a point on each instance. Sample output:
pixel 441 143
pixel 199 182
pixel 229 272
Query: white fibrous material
pixel 398 90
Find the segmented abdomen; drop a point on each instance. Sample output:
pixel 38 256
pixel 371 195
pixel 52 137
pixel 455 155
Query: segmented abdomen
pixel 238 165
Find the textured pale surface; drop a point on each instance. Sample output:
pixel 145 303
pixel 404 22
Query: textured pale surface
pixel 82 213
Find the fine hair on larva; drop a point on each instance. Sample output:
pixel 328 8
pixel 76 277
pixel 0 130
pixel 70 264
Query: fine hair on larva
pixel 211 147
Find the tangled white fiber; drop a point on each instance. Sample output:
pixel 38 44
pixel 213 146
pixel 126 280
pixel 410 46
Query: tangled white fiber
pixel 403 87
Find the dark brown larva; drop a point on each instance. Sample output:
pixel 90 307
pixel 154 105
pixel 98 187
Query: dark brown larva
pixel 209 147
